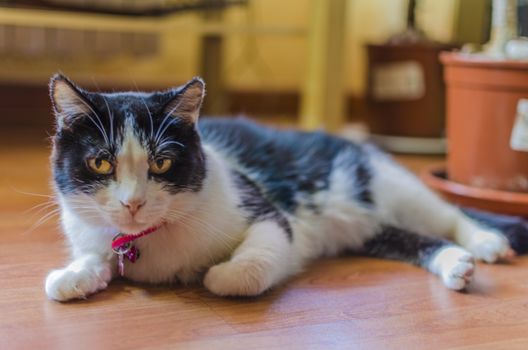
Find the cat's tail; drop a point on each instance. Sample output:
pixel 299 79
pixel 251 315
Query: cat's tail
pixel 515 228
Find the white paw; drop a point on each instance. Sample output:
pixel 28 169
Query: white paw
pixel 455 266
pixel 489 246
pixel 67 284
pixel 236 279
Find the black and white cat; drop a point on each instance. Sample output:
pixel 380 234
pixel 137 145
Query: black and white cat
pixel 238 206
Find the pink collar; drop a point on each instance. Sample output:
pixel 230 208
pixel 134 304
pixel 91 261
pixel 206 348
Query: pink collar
pixel 122 246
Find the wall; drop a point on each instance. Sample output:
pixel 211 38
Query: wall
pixel 277 62
pixel 268 55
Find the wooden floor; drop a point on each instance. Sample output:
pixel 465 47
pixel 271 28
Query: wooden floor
pixel 348 303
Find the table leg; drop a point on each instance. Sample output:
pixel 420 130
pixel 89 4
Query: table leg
pixel 323 99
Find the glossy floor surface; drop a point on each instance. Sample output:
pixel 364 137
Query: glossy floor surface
pixel 347 303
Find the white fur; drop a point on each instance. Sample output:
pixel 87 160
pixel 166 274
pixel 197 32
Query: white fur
pixel 403 201
pixel 342 224
pixel 454 265
pixel 485 244
pixel 84 276
pixel 262 260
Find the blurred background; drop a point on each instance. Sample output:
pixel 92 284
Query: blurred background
pixel 306 63
pixel 356 68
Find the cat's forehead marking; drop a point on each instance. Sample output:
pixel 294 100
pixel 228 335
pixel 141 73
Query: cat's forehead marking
pixel 132 159
pixel 128 102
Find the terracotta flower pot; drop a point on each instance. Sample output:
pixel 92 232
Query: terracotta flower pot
pixel 482 99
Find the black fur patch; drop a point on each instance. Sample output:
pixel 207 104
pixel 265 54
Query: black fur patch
pixel 258 208
pixel 287 165
pixel 399 244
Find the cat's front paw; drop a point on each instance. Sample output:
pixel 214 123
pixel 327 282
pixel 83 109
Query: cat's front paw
pixel 67 284
pixel 455 266
pixel 489 246
pixel 236 279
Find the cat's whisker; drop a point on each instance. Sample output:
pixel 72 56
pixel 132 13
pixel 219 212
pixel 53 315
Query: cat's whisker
pixel 213 232
pixel 40 212
pixel 164 120
pixel 39 207
pixel 204 243
pixel 150 117
pixel 111 116
pixel 190 227
pixel 33 194
pixel 162 128
pixel 164 143
pixel 45 218
pixel 99 126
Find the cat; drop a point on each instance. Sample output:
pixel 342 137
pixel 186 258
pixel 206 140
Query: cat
pixel 233 205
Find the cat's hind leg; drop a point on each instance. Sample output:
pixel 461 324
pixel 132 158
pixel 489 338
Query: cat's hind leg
pixel 261 261
pixel 453 264
pixel 402 200
pixel 486 244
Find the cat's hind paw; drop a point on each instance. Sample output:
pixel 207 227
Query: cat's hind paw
pixel 67 284
pixel 455 266
pixel 489 246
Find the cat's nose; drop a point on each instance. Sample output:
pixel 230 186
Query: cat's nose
pixel 133 205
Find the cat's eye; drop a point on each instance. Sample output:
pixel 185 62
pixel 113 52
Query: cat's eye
pixel 100 166
pixel 160 165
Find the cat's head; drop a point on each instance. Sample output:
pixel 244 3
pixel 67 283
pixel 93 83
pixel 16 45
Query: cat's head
pixel 127 160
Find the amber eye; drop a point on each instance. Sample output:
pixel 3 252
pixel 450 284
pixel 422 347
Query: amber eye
pixel 100 166
pixel 160 165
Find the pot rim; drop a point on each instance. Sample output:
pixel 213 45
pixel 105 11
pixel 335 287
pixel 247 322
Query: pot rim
pixel 455 58
pixel 512 203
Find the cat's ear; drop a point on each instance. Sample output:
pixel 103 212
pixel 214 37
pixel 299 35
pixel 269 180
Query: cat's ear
pixel 186 101
pixel 67 100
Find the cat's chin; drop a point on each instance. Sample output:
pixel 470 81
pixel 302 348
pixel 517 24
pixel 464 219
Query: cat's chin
pixel 134 228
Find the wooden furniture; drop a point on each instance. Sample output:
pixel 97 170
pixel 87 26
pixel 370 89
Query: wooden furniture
pixel 323 93
pixel 323 100
pixel 156 72
pixel 405 90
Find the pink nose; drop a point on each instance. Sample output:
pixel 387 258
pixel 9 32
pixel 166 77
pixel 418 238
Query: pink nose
pixel 133 206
